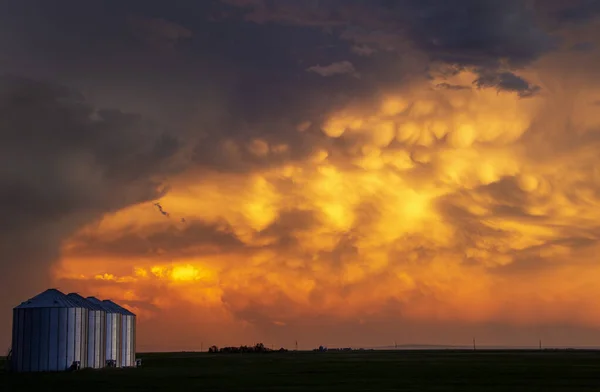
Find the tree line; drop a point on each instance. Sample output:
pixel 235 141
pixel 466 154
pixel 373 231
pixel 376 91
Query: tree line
pixel 257 348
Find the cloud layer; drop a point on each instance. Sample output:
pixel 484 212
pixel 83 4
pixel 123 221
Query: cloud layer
pixel 452 183
pixel 65 164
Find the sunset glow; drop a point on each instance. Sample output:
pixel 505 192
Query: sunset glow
pixel 415 224
pixel 430 207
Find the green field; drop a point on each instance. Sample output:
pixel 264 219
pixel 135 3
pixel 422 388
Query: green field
pixel 341 371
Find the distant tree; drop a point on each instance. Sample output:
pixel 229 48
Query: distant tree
pixel 257 348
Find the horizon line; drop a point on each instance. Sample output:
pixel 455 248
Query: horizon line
pixel 407 347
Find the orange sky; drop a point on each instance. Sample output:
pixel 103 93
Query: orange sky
pixel 334 174
pixel 494 226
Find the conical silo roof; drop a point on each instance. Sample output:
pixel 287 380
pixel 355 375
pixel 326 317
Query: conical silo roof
pixel 118 308
pixel 83 302
pixel 102 305
pixel 50 298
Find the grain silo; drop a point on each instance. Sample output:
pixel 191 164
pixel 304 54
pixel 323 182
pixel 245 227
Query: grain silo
pixel 96 331
pixel 128 321
pixel 48 333
pixel 113 327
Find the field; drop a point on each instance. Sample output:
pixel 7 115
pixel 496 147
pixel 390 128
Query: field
pixel 340 371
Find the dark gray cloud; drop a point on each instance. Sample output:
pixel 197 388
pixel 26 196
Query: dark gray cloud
pixel 235 72
pixel 63 163
pixel 271 93
pixel 583 46
pixel 577 11
pixel 225 82
pixel 158 32
pixel 191 237
pixel 507 81
pixel 449 86
pixel 471 33
pixel 363 50
pixel 339 68
pixel 175 240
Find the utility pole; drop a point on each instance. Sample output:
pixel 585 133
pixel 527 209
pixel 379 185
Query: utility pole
pixel 395 345
pixel 296 345
pixel 540 344
pixel 474 346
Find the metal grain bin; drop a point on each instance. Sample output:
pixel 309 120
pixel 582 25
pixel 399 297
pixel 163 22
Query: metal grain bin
pixel 113 328
pixel 96 328
pixel 48 333
pixel 128 321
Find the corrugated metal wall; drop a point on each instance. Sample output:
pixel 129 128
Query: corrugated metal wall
pixel 55 334
pixel 113 337
pixel 96 339
pixel 134 341
pixel 48 339
pixel 126 337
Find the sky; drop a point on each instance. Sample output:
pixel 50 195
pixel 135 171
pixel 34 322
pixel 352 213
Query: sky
pixel 332 172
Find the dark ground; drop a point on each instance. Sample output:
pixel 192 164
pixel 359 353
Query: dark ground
pixel 462 371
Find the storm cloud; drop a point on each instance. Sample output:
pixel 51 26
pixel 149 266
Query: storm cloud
pixel 469 33
pixel 329 167
pixel 64 164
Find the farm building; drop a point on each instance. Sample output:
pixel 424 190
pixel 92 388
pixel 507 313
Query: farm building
pixel 96 331
pixel 113 329
pixel 120 333
pixel 47 332
pixel 127 336
pixel 54 332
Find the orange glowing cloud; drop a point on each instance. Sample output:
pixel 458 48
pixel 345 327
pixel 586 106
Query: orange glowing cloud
pixel 436 209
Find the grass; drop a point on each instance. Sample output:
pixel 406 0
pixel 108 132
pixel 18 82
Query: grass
pixel 463 371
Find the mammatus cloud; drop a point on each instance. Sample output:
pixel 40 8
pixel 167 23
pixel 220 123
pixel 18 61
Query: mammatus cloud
pixel 339 68
pixel 390 223
pixel 425 195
